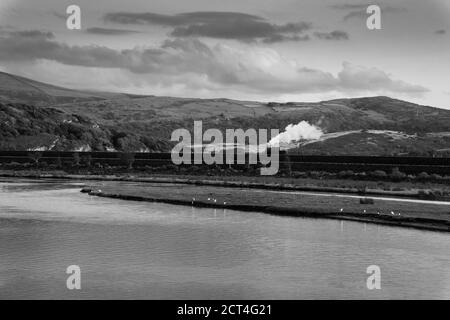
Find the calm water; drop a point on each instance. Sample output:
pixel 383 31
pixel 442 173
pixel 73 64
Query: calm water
pixel 153 251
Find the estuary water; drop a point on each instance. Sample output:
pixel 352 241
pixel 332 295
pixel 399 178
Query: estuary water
pixel 129 250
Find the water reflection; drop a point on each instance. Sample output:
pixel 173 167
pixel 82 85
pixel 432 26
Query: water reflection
pixel 150 250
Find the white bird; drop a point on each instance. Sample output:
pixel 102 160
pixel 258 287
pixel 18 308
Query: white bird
pixel 224 202
pixel 342 209
pixel 209 199
pixel 392 212
pixel 364 211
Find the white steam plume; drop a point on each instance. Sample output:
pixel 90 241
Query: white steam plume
pixel 301 131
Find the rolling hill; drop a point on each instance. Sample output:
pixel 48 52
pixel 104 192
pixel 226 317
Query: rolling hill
pixel 19 89
pixel 39 116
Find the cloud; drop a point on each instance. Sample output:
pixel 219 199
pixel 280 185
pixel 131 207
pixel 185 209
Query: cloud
pixel 359 10
pixel 440 32
pixel 34 45
pixel 350 6
pixel 191 62
pixel 59 15
pixel 32 34
pixel 109 32
pixel 355 77
pixel 6 27
pixel 280 38
pixel 334 35
pixel 177 19
pixel 220 25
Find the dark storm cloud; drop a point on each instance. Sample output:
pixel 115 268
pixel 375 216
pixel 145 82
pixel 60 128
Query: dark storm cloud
pixel 359 10
pixel 333 35
pixel 440 32
pixel 218 65
pixel 221 25
pixel 109 32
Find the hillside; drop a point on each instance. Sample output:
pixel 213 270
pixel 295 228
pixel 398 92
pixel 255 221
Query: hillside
pixel 35 115
pixel 22 90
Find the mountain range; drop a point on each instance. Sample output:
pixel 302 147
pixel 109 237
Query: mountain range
pixel 40 116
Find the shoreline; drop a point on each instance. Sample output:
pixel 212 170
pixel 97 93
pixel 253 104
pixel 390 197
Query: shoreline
pixel 416 223
pixel 426 221
pixel 228 184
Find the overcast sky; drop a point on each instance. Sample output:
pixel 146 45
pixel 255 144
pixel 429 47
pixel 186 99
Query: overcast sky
pixel 267 50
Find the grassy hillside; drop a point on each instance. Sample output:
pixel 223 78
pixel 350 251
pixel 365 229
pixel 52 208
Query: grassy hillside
pixel 36 115
pixel 22 90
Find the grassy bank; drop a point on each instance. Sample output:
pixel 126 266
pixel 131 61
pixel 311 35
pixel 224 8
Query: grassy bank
pixel 424 215
pixel 407 189
pixel 318 198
